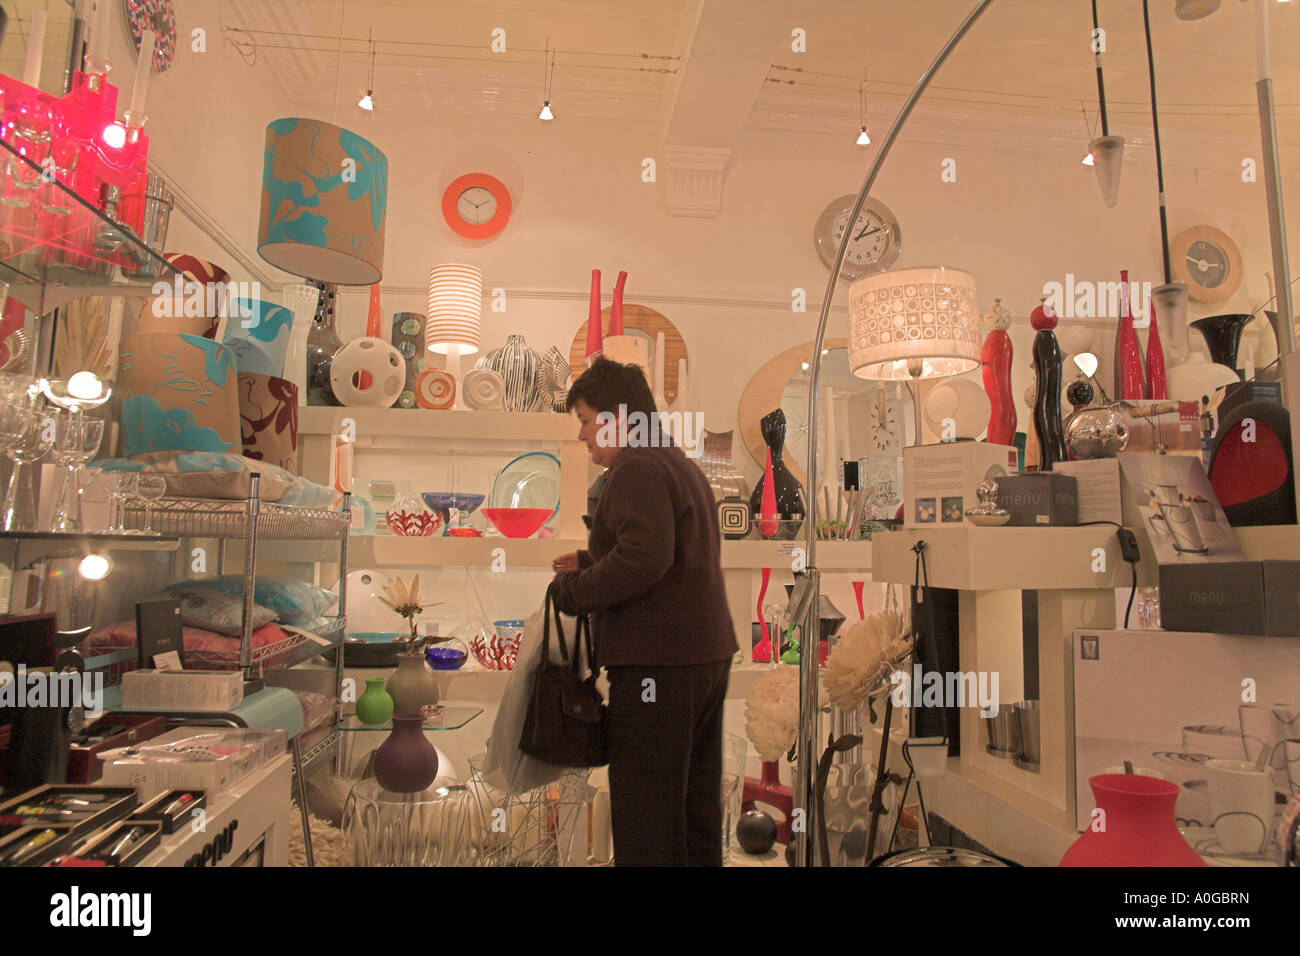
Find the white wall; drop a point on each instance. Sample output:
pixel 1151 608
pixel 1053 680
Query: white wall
pixel 1022 212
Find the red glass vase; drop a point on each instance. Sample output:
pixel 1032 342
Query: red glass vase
pixel 1135 825
pixel 1132 386
pixel 1157 381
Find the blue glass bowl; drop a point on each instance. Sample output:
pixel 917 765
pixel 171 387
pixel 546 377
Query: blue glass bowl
pixel 448 656
pixel 444 501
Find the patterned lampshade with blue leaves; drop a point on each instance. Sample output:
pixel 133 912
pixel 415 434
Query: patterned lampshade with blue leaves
pixel 324 202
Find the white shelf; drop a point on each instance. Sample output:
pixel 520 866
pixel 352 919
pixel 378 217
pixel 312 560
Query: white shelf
pixel 992 559
pixel 831 555
pixel 435 423
pixel 394 551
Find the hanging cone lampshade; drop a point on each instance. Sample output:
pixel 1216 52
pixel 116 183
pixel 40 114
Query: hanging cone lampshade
pixel 593 317
pixel 1108 161
pixel 1170 303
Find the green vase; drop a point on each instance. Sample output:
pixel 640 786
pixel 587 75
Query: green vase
pixel 374 706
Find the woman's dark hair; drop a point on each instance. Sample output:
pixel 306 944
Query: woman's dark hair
pixel 607 385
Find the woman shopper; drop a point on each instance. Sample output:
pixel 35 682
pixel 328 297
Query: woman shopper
pixel 651 581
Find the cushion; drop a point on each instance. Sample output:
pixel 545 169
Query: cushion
pixel 204 650
pixel 293 601
pixel 218 611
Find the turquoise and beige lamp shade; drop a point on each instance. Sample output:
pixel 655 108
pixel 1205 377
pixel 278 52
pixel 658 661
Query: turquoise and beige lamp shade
pixel 324 202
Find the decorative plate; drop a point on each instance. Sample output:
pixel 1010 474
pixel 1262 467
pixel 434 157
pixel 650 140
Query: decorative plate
pixel 529 481
pixel 156 15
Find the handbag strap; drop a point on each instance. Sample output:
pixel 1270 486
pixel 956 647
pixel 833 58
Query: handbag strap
pixel 549 610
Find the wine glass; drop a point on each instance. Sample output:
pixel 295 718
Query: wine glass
pixel 121 486
pixel 76 440
pixel 150 488
pixel 27 448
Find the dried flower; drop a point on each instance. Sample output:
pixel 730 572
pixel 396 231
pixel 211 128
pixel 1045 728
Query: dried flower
pixel 860 662
pixel 772 712
pixel 404 598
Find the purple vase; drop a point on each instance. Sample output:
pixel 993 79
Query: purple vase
pixel 406 762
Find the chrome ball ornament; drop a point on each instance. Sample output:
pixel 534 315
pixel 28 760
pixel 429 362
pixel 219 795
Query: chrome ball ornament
pixel 1096 432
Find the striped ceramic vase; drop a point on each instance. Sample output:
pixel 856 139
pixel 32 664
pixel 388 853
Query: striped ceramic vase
pixel 519 367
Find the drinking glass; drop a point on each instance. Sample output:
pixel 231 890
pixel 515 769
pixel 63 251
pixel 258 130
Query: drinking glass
pixel 731 794
pixel 76 440
pixel 121 486
pixel 27 448
pixel 150 488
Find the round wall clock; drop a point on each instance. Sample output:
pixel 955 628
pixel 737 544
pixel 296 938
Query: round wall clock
pixel 1208 261
pixel 476 206
pixel 876 242
pixel 160 17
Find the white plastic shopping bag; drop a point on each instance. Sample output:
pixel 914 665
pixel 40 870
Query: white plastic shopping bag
pixel 507 767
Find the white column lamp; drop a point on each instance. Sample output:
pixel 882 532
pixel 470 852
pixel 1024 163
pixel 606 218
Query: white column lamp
pixel 455 315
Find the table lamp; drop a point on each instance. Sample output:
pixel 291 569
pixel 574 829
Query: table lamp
pixel 913 324
pixel 455 313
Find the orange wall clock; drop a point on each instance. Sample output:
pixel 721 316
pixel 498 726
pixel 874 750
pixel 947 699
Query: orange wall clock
pixel 476 206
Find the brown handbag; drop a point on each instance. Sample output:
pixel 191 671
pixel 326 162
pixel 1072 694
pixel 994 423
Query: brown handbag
pixel 565 723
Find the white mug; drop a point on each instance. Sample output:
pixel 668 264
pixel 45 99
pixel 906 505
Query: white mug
pixel 1241 805
pixel 1268 725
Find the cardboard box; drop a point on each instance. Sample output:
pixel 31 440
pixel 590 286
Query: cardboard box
pixel 1224 597
pixel 939 481
pixel 1041 499
pixel 182 691
pixel 1098 486
pixel 1169 702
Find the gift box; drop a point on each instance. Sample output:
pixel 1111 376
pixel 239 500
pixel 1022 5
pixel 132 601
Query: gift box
pixel 939 481
pixel 1042 498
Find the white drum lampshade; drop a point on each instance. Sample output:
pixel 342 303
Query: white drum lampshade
pixel 455 309
pixel 914 324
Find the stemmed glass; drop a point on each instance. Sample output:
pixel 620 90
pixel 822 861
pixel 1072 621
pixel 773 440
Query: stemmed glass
pixel 76 440
pixel 122 486
pixel 150 488
pixel 26 448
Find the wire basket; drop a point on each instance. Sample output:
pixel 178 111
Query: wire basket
pixel 546 826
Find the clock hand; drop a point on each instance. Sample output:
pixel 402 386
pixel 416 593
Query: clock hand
pixel 864 232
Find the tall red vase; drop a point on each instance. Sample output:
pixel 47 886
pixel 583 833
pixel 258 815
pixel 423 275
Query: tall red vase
pixel 995 357
pixel 616 310
pixel 1132 387
pixel 1137 828
pixel 768 520
pixel 1157 383
pixel 593 316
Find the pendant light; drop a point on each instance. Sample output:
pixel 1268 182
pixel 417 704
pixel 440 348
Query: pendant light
pixel 548 75
pixel 863 138
pixel 1106 151
pixel 367 102
pixel 1169 301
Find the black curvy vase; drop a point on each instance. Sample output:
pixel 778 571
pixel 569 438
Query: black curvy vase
pixel 1047 404
pixel 1223 336
pixel 322 343
pixel 790 509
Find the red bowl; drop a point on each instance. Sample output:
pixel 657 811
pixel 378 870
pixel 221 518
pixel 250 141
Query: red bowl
pixel 518 522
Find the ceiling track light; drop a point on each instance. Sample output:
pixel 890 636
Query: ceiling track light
pixel 864 138
pixel 548 76
pixel 367 102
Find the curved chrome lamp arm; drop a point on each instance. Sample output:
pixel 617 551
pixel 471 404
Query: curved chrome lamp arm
pixel 808 743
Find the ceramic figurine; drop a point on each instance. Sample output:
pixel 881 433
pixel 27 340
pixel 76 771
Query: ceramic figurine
pixel 988 513
pixel 995 357
pixel 789 502
pixel 387 373
pixel 1047 399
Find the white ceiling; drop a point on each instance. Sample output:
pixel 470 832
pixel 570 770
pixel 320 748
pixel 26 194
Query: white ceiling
pixel 1027 62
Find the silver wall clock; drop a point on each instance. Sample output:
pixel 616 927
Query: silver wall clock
pixel 876 239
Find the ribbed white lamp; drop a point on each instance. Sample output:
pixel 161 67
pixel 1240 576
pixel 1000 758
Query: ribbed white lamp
pixel 455 313
pixel 914 324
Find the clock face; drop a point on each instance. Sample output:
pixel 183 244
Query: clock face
pixel 875 239
pixel 1208 261
pixel 476 206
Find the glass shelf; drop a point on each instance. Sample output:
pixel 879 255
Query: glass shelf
pixel 50 235
pixel 454 717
